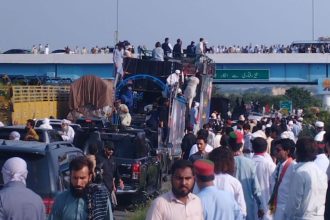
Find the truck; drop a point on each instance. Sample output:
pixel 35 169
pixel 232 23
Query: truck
pixel 148 78
pixel 21 102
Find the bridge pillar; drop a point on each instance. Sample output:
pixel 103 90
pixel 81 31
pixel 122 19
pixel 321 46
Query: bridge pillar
pixel 326 102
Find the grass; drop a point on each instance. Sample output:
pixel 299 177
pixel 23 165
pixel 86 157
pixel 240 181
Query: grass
pixel 140 212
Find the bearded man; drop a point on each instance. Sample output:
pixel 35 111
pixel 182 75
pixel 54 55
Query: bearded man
pixel 179 203
pixel 84 200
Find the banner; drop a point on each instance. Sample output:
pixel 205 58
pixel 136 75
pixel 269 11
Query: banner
pixel 177 125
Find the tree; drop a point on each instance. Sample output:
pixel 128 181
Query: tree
pixel 301 98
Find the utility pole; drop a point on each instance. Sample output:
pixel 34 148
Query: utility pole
pixel 313 20
pixel 117 28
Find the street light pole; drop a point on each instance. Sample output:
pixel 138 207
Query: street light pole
pixel 313 19
pixel 117 31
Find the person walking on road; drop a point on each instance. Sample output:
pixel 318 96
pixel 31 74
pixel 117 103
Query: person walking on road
pixel 217 204
pixel 281 177
pixel 179 203
pixel 84 200
pixel 308 185
pixel 245 172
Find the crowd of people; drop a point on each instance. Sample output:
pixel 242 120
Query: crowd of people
pixel 178 50
pixel 249 169
pixel 93 180
pixel 244 169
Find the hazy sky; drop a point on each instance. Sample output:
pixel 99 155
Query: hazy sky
pixel 24 23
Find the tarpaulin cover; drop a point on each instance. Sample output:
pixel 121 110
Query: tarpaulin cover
pixel 90 90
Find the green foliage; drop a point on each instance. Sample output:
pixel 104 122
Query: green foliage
pixel 301 98
pixel 140 213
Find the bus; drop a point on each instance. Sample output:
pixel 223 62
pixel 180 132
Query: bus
pixel 312 46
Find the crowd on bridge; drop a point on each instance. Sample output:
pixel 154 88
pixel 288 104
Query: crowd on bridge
pixel 249 169
pixel 190 49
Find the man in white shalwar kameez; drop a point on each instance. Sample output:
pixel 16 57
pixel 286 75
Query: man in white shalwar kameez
pixel 264 169
pixel 281 177
pixel 308 185
pixel 322 160
pixel 245 172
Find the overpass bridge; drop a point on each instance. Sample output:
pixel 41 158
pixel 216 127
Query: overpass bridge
pixel 235 68
pixel 303 69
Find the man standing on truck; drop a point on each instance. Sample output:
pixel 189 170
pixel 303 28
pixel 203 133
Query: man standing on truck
pixel 31 134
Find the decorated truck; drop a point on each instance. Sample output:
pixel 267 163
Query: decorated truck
pixel 151 82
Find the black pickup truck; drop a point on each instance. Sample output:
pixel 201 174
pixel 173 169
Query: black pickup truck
pixel 137 162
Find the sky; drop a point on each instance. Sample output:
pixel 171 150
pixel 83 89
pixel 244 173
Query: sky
pixel 60 23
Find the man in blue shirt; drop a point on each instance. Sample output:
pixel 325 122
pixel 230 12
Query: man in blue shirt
pixel 84 200
pixel 217 204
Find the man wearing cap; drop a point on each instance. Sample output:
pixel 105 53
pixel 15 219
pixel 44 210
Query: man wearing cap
pixel 173 81
pixel 322 161
pixel 264 169
pixel 246 174
pixel 217 204
pixel 67 132
pixel 16 200
pixel 179 203
pixel 308 185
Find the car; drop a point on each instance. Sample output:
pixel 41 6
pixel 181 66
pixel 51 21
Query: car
pixel 255 116
pixel 45 135
pixel 137 162
pixel 48 165
pixel 59 51
pixel 17 51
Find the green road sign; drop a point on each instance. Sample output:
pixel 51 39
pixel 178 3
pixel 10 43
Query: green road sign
pixel 243 74
pixel 286 106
